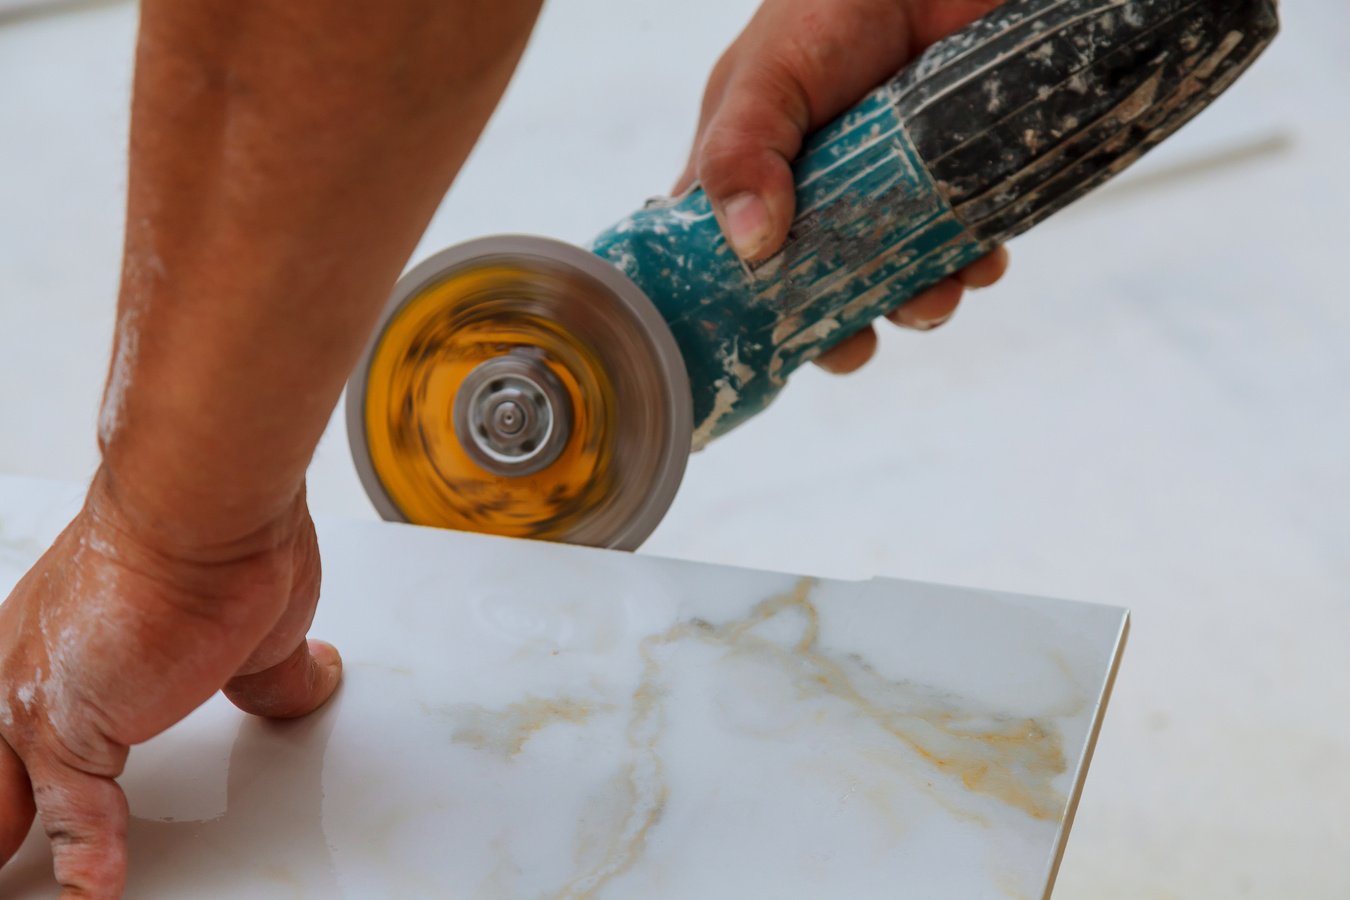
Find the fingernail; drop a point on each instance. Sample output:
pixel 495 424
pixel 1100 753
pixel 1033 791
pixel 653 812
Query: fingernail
pixel 930 324
pixel 832 368
pixel 748 226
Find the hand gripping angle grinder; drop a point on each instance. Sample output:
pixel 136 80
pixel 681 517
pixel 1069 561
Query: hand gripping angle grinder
pixel 526 387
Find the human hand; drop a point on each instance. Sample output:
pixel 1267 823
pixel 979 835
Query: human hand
pixel 110 639
pixel 798 65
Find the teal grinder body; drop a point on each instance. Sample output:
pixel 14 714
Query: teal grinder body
pixel 987 134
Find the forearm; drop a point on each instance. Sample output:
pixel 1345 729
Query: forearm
pixel 285 158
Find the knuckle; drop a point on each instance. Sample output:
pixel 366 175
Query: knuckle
pixel 723 149
pixel 77 737
pixel 732 160
pixel 772 87
pixel 758 127
pixel 722 72
pixel 94 868
pixel 778 88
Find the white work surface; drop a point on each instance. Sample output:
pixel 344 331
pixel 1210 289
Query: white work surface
pixel 595 724
pixel 1153 411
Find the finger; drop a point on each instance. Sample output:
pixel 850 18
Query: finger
pixel 686 180
pixel 850 355
pixel 930 22
pixel 16 803
pixel 931 309
pixel 85 818
pixel 744 161
pixel 985 271
pixel 295 687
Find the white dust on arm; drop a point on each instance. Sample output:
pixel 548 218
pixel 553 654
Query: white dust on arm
pixel 25 695
pixel 143 269
pixel 67 645
pixel 119 380
pixel 73 673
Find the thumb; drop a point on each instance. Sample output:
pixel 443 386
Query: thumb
pixel 16 802
pixel 294 687
pixel 85 817
pixel 745 157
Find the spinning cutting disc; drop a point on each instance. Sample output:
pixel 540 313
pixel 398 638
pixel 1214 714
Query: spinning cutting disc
pixel 522 386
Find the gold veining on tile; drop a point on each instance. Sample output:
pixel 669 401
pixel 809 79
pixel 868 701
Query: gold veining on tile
pixel 1011 759
pixel 643 780
pixel 505 732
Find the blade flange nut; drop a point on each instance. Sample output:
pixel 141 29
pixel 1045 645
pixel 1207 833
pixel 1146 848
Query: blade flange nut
pixel 512 414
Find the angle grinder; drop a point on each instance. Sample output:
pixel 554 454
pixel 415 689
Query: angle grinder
pixel 526 387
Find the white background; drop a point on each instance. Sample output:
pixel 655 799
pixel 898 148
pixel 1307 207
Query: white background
pixel 1153 410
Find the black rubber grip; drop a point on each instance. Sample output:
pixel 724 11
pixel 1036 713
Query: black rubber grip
pixel 1041 101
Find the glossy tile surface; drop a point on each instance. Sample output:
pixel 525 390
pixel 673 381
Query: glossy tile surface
pixel 522 720
pixel 1150 411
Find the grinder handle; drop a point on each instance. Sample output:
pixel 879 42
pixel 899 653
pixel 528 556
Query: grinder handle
pixel 986 134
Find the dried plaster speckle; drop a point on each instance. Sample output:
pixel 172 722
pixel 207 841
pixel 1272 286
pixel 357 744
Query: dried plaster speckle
pixel 724 401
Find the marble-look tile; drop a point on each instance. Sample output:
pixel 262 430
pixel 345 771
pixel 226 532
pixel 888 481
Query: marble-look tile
pixel 525 720
pixel 1149 411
